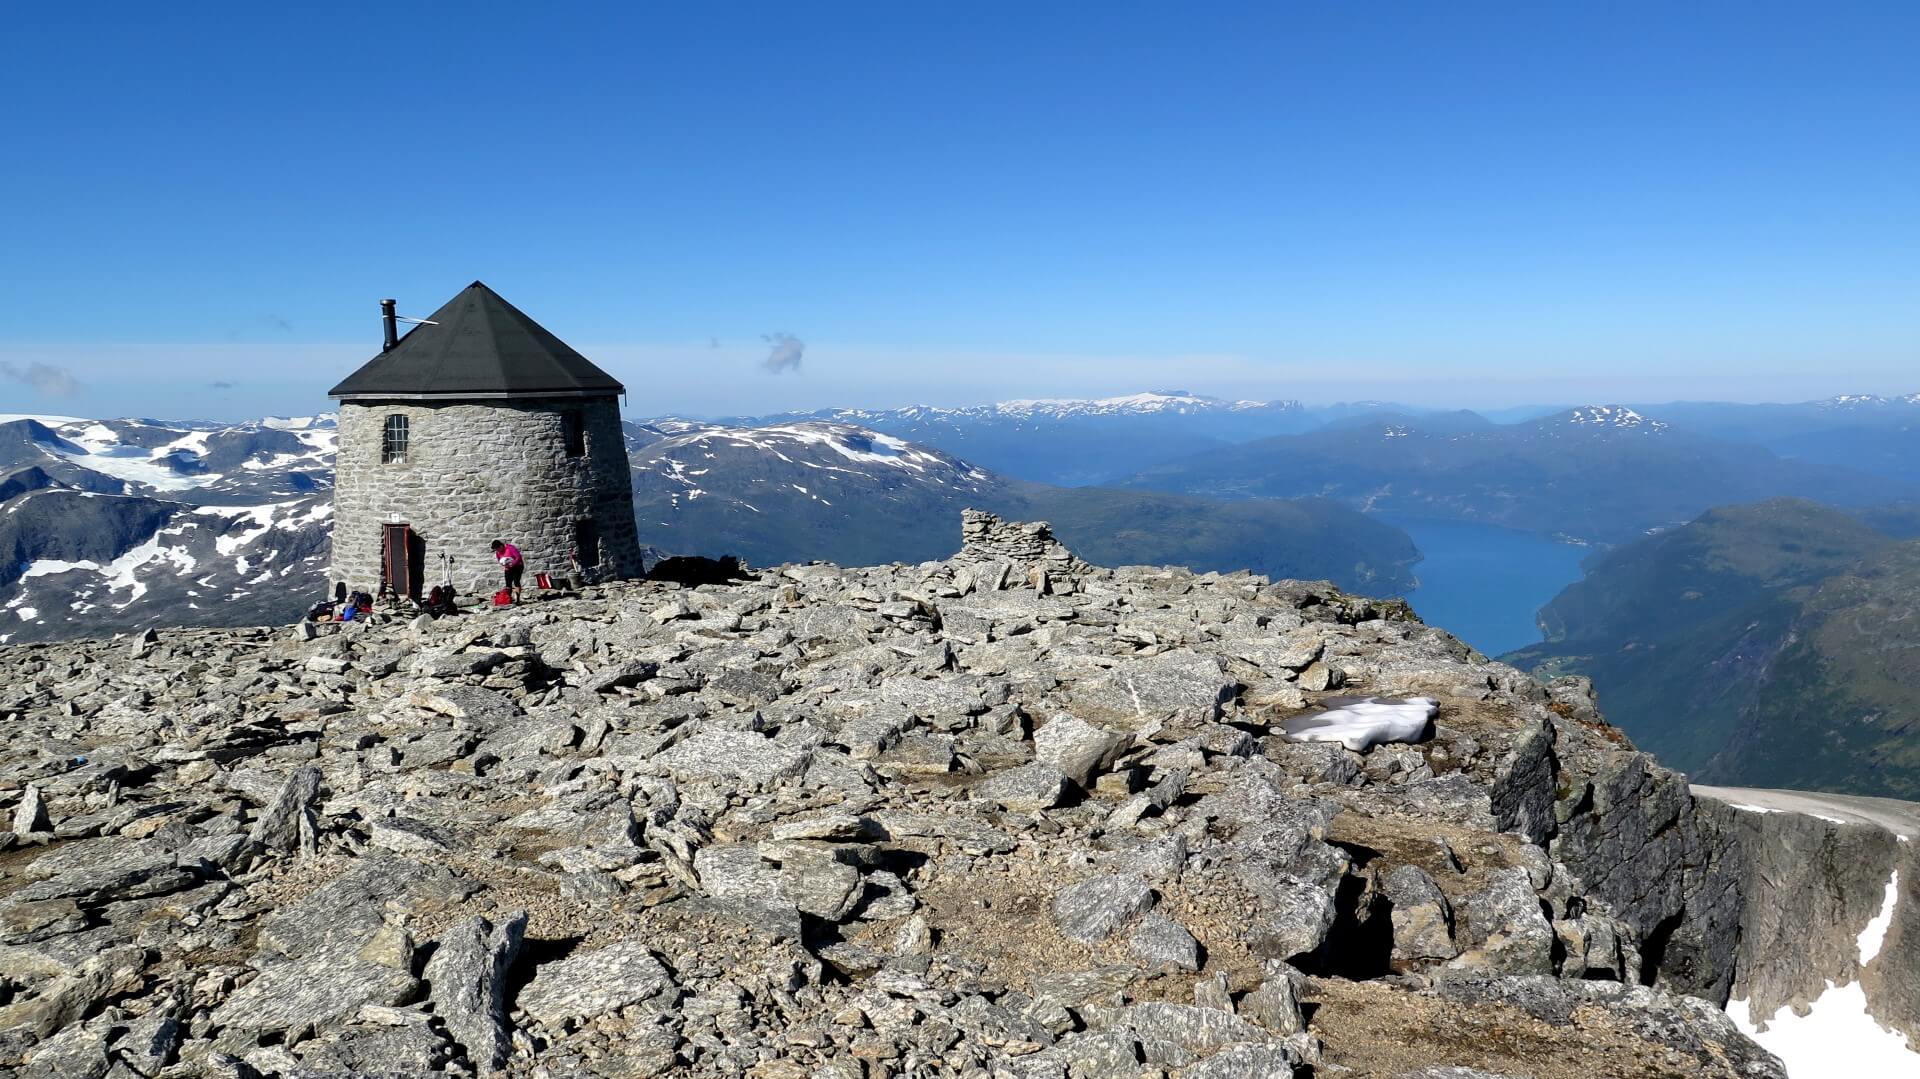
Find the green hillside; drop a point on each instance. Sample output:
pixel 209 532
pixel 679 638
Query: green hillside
pixel 1770 644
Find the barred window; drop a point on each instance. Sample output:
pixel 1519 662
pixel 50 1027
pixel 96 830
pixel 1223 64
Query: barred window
pixel 573 426
pixel 393 441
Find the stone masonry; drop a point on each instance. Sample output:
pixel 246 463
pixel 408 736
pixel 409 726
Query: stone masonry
pixel 477 471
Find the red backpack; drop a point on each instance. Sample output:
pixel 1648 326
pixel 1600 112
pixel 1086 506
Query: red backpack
pixel 503 598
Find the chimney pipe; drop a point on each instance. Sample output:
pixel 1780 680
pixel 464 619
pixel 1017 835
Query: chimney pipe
pixel 390 322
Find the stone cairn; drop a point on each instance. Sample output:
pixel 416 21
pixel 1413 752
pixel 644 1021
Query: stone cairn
pixel 1000 549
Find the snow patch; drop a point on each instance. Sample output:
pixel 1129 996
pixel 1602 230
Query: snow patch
pixel 1837 1038
pixel 260 517
pixel 1875 934
pixel 1361 722
pixel 121 572
pixel 45 567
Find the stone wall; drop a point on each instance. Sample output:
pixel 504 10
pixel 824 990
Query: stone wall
pixel 477 471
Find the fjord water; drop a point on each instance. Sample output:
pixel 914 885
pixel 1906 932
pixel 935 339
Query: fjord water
pixel 1483 583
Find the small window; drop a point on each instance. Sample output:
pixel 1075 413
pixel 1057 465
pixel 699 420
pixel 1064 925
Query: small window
pixel 393 441
pixel 573 427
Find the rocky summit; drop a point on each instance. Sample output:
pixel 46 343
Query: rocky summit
pixel 962 818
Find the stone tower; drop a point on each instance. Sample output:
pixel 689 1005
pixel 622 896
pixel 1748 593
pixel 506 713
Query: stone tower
pixel 479 425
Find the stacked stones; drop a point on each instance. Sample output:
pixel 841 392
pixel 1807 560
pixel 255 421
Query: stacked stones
pixel 479 471
pixel 1018 550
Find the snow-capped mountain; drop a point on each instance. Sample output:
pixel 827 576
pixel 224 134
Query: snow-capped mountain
pixel 802 490
pixel 1869 432
pixel 1598 473
pixel 1859 401
pixel 1614 417
pixel 1154 403
pixel 111 525
pixel 1177 402
pixel 837 461
pixel 1072 441
pixel 198 565
pixel 200 463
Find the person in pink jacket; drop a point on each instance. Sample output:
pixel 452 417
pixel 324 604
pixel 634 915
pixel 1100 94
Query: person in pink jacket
pixel 514 566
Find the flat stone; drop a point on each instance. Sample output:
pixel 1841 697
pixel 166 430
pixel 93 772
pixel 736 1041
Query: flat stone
pixel 1135 692
pixel 583 986
pixel 483 708
pixel 99 871
pixel 1198 1030
pixel 621 675
pixel 1094 909
pixel 742 755
pixel 1029 788
pixel 1246 1062
pixel 407 836
pixel 299 995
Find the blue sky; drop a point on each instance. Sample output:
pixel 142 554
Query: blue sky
pixel 1457 204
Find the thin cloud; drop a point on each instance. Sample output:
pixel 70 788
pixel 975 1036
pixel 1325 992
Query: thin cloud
pixel 279 323
pixel 221 385
pixel 784 354
pixel 43 377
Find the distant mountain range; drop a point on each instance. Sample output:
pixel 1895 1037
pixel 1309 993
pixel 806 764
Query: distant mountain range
pixel 1533 473
pixel 1770 644
pixel 1072 442
pixel 833 491
pixel 111 525
pixel 1601 474
pixel 1879 435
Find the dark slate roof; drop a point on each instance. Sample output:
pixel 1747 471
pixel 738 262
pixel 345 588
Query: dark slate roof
pixel 482 347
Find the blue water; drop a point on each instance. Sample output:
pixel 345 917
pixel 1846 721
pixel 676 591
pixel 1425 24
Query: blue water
pixel 1484 584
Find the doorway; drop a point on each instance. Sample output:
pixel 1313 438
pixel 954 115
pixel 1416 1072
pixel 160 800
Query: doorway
pixel 403 560
pixel 586 544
